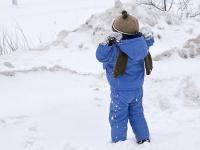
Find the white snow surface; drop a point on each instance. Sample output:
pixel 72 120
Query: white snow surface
pixel 56 97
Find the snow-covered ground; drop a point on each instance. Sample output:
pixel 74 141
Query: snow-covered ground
pixel 56 97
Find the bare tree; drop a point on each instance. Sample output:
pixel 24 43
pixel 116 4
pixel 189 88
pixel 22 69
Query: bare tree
pixel 187 8
pixel 182 7
pixel 14 2
pixel 162 5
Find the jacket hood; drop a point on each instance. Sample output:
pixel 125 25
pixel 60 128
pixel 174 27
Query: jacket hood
pixel 135 48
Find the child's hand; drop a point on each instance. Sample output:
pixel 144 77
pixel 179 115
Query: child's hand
pixel 147 32
pixel 112 38
pixel 148 35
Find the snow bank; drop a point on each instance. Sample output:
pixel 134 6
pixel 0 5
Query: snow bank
pixel 166 28
pixel 190 49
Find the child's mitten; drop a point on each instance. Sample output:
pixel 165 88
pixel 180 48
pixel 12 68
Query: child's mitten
pixel 112 37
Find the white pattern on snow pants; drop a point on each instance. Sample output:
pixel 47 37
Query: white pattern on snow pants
pixel 124 106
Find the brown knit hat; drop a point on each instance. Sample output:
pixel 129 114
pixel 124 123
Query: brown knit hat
pixel 126 24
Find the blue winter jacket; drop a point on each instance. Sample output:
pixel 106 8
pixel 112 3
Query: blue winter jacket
pixel 136 48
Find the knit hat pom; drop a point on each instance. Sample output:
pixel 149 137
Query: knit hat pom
pixel 124 14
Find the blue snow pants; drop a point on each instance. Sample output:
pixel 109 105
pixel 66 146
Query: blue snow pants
pixel 127 106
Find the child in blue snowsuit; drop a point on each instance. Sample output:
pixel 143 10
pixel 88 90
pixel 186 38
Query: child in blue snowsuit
pixel 126 89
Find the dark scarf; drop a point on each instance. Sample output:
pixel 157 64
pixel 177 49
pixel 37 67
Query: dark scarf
pixel 122 58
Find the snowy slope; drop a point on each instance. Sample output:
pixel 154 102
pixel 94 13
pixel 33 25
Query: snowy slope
pixel 41 20
pixel 56 97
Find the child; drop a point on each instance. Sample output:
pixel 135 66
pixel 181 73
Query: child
pixel 122 55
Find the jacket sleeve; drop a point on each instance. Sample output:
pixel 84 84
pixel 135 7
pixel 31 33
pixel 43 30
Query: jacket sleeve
pixel 149 41
pixel 104 53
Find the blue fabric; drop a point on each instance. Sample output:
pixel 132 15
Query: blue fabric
pixel 128 37
pixel 127 89
pixel 149 41
pixel 136 49
pixel 127 105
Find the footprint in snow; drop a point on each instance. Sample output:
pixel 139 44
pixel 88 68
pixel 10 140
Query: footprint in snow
pixel 9 65
pixel 13 120
pixel 69 146
pixel 32 137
